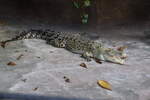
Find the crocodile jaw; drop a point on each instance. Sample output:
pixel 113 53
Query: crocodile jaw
pixel 114 59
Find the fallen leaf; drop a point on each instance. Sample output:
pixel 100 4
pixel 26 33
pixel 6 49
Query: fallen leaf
pixel 38 57
pixel 3 44
pixel 104 84
pixel 24 80
pixel 67 79
pixel 19 57
pixel 11 63
pixel 34 89
pixel 98 61
pixel 83 65
pixel 121 48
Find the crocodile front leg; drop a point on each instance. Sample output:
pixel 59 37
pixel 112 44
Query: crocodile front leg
pixel 87 56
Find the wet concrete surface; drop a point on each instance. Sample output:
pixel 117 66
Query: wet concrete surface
pixel 41 69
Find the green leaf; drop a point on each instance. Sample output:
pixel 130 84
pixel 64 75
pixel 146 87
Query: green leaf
pixel 86 16
pixel 87 3
pixel 76 4
pixel 84 21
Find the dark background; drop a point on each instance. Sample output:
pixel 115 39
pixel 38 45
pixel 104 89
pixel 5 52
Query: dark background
pixel 62 11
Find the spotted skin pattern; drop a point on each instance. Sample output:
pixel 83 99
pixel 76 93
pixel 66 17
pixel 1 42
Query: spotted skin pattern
pixel 74 43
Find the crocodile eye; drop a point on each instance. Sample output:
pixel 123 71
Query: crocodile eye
pixel 62 45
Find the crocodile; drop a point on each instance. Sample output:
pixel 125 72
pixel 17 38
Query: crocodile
pixel 75 43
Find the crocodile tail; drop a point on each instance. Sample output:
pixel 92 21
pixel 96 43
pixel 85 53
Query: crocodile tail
pixel 23 35
pixel 18 37
pixel 31 34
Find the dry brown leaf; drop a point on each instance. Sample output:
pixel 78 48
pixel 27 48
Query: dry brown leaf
pixel 67 79
pixel 98 61
pixel 3 44
pixel 19 57
pixel 34 89
pixel 83 65
pixel 11 63
pixel 24 80
pixel 38 57
pixel 104 84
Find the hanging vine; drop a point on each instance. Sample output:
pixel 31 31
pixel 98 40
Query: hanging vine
pixel 82 5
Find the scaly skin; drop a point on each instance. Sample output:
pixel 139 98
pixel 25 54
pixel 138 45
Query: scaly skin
pixel 74 43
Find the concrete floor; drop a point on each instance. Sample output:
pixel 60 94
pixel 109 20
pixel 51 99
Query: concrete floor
pixel 39 73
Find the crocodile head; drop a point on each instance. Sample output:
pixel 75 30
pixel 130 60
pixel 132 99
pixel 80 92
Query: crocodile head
pixel 114 56
pixel 109 54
